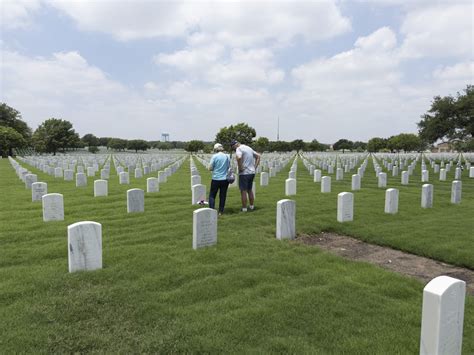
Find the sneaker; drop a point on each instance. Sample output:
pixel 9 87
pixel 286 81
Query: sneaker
pixel 252 208
pixel 243 210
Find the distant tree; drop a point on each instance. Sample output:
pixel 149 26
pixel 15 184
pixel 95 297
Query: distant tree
pixel 241 132
pixel 194 146
pixel 90 140
pixel 117 144
pixel 178 145
pixel 163 145
pixel 315 146
pixel 280 146
pixel 137 144
pixel 93 149
pixel 261 144
pixel 9 139
pixel 54 134
pixel 375 144
pixel 359 146
pixel 449 118
pixel 9 117
pixel 297 145
pixel 405 141
pixel 104 141
pixel 343 144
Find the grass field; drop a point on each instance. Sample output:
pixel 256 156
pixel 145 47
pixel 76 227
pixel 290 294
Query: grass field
pixel 250 293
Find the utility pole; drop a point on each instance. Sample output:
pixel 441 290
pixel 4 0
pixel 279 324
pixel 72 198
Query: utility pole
pixel 278 129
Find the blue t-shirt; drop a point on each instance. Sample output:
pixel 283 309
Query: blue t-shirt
pixel 219 164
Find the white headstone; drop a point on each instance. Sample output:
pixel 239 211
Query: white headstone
pixel 382 180
pixel 457 174
pixel 58 172
pixel 84 246
pixel 80 169
pixel 263 179
pixel 345 207
pixel 38 190
pixel 30 179
pixel 81 180
pixel 395 171
pixel 204 228
pixel 101 188
pixel 292 174
pixel 427 196
pixel 339 174
pixel 68 175
pixel 425 176
pixel 391 201
pixel 124 178
pixel 405 178
pixel 355 182
pixel 471 172
pixel 53 207
pixel 442 175
pixel 317 175
pixel 326 184
pixel 90 171
pixel 286 219
pixel 138 173
pixel 442 316
pixel 290 187
pixel 456 191
pixel 195 180
pixel 162 176
pixel 135 200
pixel 152 184
pixel 198 193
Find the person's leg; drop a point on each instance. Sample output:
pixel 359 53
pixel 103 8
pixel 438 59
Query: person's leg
pixel 243 191
pixel 251 195
pixel 213 193
pixel 222 194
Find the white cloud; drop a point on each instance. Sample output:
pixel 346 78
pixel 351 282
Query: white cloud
pixel 460 71
pixel 17 13
pixel 192 59
pixel 241 23
pixel 444 30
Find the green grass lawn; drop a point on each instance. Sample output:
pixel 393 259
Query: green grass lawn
pixel 250 293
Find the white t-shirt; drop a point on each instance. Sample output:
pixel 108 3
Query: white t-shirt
pixel 247 155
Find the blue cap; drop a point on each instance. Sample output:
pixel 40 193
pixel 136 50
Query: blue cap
pixel 233 142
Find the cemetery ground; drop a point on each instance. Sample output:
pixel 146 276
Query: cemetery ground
pixel 250 293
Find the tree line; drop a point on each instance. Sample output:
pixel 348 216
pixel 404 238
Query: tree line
pixel 449 119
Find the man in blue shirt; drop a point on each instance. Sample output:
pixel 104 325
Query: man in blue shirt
pixel 219 166
pixel 247 160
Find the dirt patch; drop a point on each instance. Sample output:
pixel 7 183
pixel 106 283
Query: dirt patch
pixel 419 267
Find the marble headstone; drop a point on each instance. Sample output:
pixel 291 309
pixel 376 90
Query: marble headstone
pixel 84 246
pixel 38 190
pixel 326 184
pixel 53 207
pixel 345 207
pixel 152 184
pixel 100 188
pixel 198 193
pixel 427 196
pixel 135 200
pixel 204 228
pixel 391 201
pixel 286 219
pixel 456 191
pixel 290 187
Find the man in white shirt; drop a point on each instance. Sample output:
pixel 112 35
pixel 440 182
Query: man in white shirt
pixel 247 161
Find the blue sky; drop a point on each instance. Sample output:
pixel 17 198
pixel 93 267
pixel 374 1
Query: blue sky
pixel 329 69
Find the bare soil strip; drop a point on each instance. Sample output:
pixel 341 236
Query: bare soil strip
pixel 416 266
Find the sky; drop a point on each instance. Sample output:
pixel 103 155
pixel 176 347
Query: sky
pixel 325 69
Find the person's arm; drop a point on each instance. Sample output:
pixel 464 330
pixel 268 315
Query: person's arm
pixel 257 159
pixel 238 156
pixel 211 164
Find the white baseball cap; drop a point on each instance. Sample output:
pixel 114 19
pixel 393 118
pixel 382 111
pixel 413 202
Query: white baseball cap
pixel 218 146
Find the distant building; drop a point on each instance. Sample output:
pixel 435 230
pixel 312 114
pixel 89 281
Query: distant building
pixel 444 147
pixel 165 137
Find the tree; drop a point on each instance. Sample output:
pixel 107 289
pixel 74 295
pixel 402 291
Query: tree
pixel 104 141
pixel 194 146
pixel 405 141
pixel 375 144
pixel 90 140
pixel 359 146
pixel 117 144
pixel 54 134
pixel 315 146
pixel 297 145
pixel 9 117
pixel 137 144
pixel 449 118
pixel 242 132
pixel 343 144
pixel 280 146
pixel 9 139
pixel 261 144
